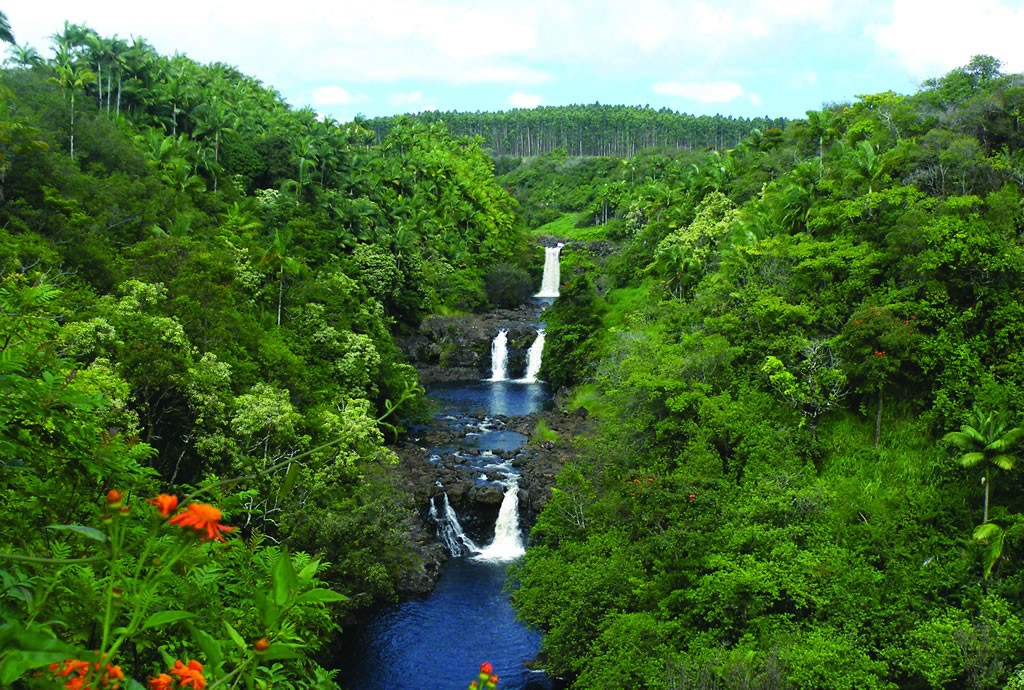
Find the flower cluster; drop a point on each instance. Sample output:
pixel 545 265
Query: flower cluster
pixel 189 675
pixel 77 674
pixel 202 517
pixel 486 679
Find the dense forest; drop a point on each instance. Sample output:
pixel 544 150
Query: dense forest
pixel 798 345
pixel 201 288
pixel 589 130
pixel 803 362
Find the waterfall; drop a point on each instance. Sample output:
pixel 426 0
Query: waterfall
pixel 552 273
pixel 507 544
pixel 449 530
pixel 533 359
pixel 499 356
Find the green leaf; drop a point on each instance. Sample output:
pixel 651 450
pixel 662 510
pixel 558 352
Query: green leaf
pixel 209 646
pixel 25 650
pixel 88 532
pixel 971 459
pixel 320 596
pixel 307 573
pixel 269 613
pixel 165 617
pixel 986 531
pixel 279 651
pixel 235 637
pixel 284 579
pixel 289 479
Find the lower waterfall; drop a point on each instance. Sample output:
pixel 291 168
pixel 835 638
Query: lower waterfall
pixel 508 543
pixel 449 531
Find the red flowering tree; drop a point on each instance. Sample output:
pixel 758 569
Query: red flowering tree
pixel 878 340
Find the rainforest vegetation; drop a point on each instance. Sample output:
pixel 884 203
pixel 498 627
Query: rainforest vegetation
pixel 800 345
pixel 588 130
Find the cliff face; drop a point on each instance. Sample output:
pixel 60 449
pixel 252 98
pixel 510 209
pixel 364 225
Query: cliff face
pixel 458 348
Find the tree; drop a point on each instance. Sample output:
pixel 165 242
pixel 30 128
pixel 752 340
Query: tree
pixel 278 257
pixel 6 35
pixel 71 76
pixel 24 56
pixel 986 441
pixel 816 386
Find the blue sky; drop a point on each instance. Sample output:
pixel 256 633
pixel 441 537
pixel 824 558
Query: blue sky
pixel 381 57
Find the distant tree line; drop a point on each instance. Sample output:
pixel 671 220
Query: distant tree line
pixel 588 130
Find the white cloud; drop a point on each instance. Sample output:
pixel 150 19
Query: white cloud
pixel 704 92
pixel 410 98
pixel 333 95
pixel 931 37
pixel 524 100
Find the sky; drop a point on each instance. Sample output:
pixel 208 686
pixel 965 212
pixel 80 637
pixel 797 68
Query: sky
pixel 745 58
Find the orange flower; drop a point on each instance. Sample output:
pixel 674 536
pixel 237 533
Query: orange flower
pixel 114 498
pixel 165 503
pixel 161 682
pixel 261 645
pixel 202 517
pixel 111 676
pixel 192 674
pixel 75 666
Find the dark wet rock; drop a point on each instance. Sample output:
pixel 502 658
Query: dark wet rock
pixel 487 495
pixel 458 348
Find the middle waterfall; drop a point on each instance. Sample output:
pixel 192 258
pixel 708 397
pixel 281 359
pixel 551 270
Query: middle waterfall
pixel 499 356
pixel 533 359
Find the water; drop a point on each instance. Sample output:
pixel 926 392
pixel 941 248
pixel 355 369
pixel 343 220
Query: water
pixel 499 357
pixel 439 641
pixel 551 278
pixel 449 530
pixel 498 398
pixel 507 544
pixel 533 359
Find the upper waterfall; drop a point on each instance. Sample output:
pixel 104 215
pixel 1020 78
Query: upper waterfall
pixel 552 272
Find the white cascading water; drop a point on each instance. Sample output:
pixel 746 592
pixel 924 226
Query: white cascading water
pixel 499 356
pixel 449 530
pixel 533 359
pixel 507 544
pixel 552 272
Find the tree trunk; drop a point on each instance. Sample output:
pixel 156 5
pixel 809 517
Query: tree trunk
pixel 71 137
pixel 984 517
pixel 280 295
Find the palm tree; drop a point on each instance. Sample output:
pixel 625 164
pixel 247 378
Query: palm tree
pixel 6 35
pixel 24 56
pixel 987 442
pixel 70 77
pixel 278 257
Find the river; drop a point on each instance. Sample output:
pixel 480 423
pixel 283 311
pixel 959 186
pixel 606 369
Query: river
pixel 438 642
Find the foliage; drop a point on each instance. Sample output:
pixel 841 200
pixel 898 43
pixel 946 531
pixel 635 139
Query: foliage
pixel 865 260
